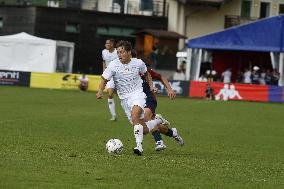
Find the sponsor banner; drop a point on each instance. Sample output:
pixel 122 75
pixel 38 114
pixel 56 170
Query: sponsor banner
pixel 233 91
pixel 276 94
pixel 62 81
pixel 15 78
pixel 180 87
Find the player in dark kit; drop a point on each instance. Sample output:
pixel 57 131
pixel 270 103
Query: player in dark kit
pixel 151 105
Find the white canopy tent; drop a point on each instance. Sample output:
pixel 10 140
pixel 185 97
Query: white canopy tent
pixel 24 52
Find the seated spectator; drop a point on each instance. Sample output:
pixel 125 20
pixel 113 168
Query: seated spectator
pixel 268 77
pixel 275 77
pixel 183 66
pixel 209 92
pixel 179 75
pixel 255 75
pixel 226 76
pixel 211 75
pixel 239 77
pixel 262 77
pixel 84 83
pixel 202 78
pixel 214 75
pixel 247 76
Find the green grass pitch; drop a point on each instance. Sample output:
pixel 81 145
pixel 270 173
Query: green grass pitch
pixel 56 139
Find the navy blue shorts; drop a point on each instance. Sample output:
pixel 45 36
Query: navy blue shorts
pixel 151 103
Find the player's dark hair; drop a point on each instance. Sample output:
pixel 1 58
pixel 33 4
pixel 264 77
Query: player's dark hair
pixel 133 53
pixel 112 41
pixel 125 44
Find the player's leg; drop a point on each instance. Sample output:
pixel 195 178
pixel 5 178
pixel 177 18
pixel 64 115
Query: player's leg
pixel 139 128
pixel 170 132
pixel 137 104
pixel 155 133
pixel 149 111
pixel 111 104
pixel 132 113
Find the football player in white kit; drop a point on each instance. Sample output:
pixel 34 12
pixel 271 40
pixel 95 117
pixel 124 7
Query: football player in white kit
pixel 126 75
pixel 109 54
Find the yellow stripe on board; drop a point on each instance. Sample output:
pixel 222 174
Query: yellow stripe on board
pixel 61 81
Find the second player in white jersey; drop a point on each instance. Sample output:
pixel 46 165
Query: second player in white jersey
pixel 109 54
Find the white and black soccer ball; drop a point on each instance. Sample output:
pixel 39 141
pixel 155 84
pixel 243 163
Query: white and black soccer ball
pixel 114 146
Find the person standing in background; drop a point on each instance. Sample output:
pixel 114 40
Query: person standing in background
pixel 84 82
pixel 226 76
pixel 109 54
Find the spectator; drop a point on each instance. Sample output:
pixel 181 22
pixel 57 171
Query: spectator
pixel 202 78
pixel 211 75
pixel 209 92
pixel 84 83
pixel 255 75
pixel 247 76
pixel 183 66
pixel 226 76
pixel 239 77
pixel 214 75
pixel 268 77
pixel 179 75
pixel 262 77
pixel 275 77
pixel 154 57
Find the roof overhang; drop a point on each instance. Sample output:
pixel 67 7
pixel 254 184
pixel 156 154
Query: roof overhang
pixel 160 33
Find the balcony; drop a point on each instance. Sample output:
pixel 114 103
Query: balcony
pixel 234 20
pixel 134 7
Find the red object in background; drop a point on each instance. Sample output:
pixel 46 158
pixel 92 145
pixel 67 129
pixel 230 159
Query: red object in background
pixel 247 92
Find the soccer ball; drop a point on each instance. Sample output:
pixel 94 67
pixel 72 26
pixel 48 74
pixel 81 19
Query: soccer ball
pixel 114 146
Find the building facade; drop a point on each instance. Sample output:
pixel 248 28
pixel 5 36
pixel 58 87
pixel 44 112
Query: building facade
pixel 197 18
pixel 88 29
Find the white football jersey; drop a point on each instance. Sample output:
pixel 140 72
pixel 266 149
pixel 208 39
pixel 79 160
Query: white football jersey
pixel 109 56
pixel 126 77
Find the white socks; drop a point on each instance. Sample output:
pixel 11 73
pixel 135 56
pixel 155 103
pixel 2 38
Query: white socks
pixel 152 123
pixel 111 106
pixel 138 134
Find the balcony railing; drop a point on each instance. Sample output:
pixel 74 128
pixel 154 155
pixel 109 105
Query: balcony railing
pixel 234 20
pixel 136 7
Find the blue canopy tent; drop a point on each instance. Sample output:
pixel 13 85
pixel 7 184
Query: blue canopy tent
pixel 265 35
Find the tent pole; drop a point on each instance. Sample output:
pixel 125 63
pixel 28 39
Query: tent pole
pixel 281 61
pixel 272 59
pixel 188 63
pixel 198 64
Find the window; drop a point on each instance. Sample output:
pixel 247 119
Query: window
pixel 281 8
pixel 118 6
pixel 264 10
pixel 146 5
pixel 72 28
pixel 246 9
pixel 1 23
pixel 115 31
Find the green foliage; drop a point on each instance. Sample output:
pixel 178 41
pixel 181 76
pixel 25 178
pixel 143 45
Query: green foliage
pixel 56 139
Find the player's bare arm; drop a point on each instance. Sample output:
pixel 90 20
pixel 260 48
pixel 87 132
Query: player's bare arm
pixel 170 91
pixel 150 82
pixel 102 86
pixel 104 65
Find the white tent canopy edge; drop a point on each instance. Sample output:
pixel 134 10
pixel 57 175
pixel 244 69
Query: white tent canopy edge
pixel 24 52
